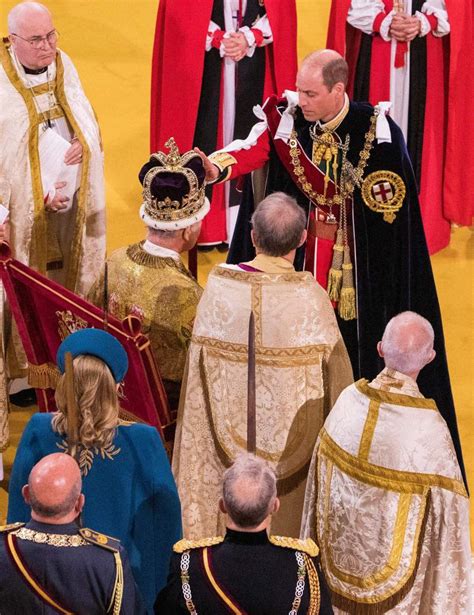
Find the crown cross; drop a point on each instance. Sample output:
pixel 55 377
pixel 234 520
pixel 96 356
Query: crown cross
pixel 173 159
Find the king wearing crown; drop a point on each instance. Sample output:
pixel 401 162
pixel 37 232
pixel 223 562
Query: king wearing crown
pixel 148 279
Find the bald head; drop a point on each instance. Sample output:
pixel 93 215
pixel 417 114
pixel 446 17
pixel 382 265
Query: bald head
pixel 54 489
pixel 321 83
pixel 279 225
pixel 249 492
pixel 32 34
pixel 24 13
pixel 407 343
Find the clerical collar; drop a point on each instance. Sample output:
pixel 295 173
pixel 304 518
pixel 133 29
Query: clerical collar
pixel 155 250
pixel 271 264
pixel 337 120
pixel 391 380
pixel 246 538
pixel 34 71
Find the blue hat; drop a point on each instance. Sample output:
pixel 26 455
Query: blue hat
pixel 99 344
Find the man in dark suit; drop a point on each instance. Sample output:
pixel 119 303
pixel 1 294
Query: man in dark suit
pixel 50 565
pixel 247 571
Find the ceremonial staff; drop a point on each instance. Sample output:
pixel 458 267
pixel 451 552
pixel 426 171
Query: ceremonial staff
pixel 71 406
pixel 251 397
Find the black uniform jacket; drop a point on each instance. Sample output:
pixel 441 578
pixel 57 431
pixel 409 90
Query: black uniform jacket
pixel 258 577
pixel 81 579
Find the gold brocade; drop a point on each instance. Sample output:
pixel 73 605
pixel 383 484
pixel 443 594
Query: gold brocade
pixel 306 546
pixel 297 343
pixel 162 294
pixel 391 517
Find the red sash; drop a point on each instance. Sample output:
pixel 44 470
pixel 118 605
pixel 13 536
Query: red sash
pixel 314 175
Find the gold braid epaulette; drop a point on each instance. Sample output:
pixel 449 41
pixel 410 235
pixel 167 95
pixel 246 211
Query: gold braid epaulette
pixel 307 546
pixel 10 527
pixel 185 545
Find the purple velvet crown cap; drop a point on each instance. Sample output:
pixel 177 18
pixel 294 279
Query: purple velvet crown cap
pixel 172 184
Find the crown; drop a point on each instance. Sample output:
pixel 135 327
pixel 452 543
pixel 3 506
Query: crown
pixel 173 189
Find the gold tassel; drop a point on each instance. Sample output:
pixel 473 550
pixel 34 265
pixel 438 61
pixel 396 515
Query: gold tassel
pixel 347 302
pixel 335 273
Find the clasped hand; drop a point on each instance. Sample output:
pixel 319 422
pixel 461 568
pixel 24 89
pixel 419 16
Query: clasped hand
pixel 235 46
pixel 404 28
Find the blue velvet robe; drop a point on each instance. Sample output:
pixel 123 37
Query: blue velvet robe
pixel 130 495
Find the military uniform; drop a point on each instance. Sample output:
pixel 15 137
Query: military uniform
pixel 245 573
pixel 46 569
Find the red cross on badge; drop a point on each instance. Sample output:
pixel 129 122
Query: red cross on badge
pixel 383 192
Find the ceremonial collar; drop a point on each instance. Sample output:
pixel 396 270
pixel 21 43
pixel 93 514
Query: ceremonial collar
pixel 337 120
pixel 270 264
pixel 246 538
pixel 156 250
pixel 51 528
pixel 396 382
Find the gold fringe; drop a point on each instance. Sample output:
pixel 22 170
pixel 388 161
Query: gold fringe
pixel 44 376
pixel 347 306
pixel 334 284
pixel 347 302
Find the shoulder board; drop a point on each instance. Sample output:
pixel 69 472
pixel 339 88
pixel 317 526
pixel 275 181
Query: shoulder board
pixel 186 545
pixel 306 546
pixel 124 423
pixel 101 540
pixel 10 527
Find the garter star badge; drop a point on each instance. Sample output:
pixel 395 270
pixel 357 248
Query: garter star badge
pixel 383 192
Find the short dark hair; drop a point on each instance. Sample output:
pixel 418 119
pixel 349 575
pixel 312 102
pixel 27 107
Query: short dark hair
pixel 58 510
pixel 335 71
pixel 278 223
pixel 259 479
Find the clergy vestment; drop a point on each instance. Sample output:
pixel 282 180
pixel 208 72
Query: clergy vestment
pixel 383 226
pixel 219 92
pixel 301 366
pixel 386 499
pixel 69 246
pixel 130 494
pixel 151 283
pixel 428 81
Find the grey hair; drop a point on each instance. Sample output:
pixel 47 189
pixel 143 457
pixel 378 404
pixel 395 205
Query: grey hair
pixel 249 490
pixel 57 510
pixel 17 13
pixel 161 234
pixel 278 223
pixel 407 342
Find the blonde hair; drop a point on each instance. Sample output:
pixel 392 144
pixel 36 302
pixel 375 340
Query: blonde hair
pixel 96 399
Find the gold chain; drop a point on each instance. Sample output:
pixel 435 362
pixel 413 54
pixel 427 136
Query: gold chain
pixel 55 540
pixel 347 187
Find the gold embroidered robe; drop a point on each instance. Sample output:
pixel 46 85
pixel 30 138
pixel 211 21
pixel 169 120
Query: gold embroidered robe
pixel 37 237
pixel 386 500
pixel 301 366
pixel 161 293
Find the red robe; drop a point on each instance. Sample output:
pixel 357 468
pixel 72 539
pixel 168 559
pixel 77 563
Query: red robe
pixel 178 64
pixel 446 195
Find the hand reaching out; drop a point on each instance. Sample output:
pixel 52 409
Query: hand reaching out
pixel 212 172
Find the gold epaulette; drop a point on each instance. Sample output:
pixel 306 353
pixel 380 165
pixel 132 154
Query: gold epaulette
pixel 306 546
pixel 10 527
pixel 101 540
pixel 185 545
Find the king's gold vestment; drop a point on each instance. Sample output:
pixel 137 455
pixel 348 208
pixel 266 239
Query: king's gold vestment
pixel 162 293
pixel 301 366
pixel 386 500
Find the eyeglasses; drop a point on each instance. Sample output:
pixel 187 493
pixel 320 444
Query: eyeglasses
pixel 36 41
